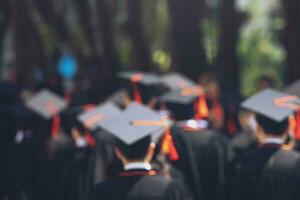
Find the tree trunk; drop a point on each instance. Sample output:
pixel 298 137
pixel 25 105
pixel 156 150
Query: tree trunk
pixel 22 28
pixel 227 59
pixel 141 52
pixel 188 53
pixel 4 22
pixel 105 39
pixel 292 39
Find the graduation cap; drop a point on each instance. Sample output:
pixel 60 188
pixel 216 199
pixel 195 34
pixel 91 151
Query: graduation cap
pixel 187 103
pixel 293 89
pixel 142 86
pixel 119 97
pixel 48 105
pixel 272 104
pixel 138 122
pixel 176 81
pixel 90 119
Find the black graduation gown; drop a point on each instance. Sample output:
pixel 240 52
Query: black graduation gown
pixel 267 173
pixel 72 170
pixel 203 157
pixel 242 143
pixel 141 185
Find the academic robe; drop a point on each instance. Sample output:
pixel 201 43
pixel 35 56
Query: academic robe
pixel 203 156
pixel 72 170
pixel 265 173
pixel 242 143
pixel 140 185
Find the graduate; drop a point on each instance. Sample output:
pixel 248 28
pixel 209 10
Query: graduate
pixel 103 150
pixel 294 89
pixel 135 148
pixel 245 140
pixel 271 170
pixel 202 150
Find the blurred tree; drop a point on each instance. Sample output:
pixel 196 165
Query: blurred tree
pixel 110 59
pixel 4 22
pixel 291 38
pixel 186 39
pixel 227 59
pixel 141 52
pixel 28 47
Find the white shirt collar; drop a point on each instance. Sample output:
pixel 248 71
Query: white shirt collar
pixel 137 165
pixel 273 141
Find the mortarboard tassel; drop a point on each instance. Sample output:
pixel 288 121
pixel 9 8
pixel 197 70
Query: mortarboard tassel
pixel 55 126
pixel 89 139
pixel 134 81
pixel 51 108
pixel 201 108
pixel 167 144
pixel 297 126
pixel 231 128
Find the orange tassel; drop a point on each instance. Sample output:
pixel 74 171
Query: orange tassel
pixel 201 108
pixel 168 146
pixel 136 93
pixel 55 126
pixel 297 126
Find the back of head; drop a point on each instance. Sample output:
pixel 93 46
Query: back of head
pixel 135 151
pixel 272 127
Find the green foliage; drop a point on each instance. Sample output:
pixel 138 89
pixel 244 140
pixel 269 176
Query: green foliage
pixel 259 49
pixel 210 30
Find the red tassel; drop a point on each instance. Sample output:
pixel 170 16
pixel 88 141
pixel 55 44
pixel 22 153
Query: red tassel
pixel 201 108
pixel 168 146
pixel 89 139
pixel 55 126
pixel 297 126
pixel 136 93
pixel 231 126
pixel 173 151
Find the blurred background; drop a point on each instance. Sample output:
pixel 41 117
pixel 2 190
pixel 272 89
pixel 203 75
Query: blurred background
pixel 80 45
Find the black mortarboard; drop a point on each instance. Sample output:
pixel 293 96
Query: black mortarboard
pixel 293 89
pixel 175 81
pixel 142 87
pixel 141 77
pixel 119 97
pixel 182 101
pixel 91 119
pixel 46 104
pixel 272 104
pixel 124 128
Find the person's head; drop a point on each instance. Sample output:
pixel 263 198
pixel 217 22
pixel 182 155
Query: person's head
pixel 142 150
pixel 265 82
pixel 267 127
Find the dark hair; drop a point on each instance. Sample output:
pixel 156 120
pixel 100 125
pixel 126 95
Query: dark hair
pixel 69 121
pixel 135 151
pixel 266 79
pixel 272 127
